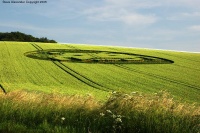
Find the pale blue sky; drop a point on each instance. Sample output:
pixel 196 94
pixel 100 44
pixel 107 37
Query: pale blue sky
pixel 159 24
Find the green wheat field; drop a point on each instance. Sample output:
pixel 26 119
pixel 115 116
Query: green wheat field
pixel 47 87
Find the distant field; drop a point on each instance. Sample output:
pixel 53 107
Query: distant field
pixel 97 70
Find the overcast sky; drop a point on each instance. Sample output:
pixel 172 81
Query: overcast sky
pixel 159 24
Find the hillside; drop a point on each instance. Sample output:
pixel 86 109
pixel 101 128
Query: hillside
pixel 97 70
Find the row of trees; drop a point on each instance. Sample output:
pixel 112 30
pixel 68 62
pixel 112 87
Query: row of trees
pixel 18 36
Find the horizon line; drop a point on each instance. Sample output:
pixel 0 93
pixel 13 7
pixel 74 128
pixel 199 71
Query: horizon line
pixel 131 47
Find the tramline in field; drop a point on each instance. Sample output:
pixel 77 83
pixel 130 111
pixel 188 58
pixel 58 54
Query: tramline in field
pixel 57 56
pixel 82 69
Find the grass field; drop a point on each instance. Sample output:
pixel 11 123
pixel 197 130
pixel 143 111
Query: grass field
pixel 19 72
pixel 82 88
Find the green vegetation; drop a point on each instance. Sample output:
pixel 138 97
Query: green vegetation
pixel 18 36
pixel 94 56
pixel 18 72
pixel 57 82
pixel 23 111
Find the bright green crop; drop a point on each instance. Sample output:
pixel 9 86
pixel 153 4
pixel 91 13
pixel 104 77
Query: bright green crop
pixel 51 67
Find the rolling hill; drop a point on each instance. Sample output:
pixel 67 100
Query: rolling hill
pixel 97 70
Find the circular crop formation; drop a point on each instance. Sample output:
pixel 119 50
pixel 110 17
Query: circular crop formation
pixel 94 56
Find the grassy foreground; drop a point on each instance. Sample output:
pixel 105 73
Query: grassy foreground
pixel 23 111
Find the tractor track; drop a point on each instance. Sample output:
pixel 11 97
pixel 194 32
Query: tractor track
pixel 86 77
pixel 116 65
pixel 98 86
pixel 157 76
pixel 153 75
pixel 73 73
pixel 40 49
pixel 79 76
pixel 36 46
pixel 2 88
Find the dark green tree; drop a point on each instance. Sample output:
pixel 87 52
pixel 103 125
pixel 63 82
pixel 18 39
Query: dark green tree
pixel 18 36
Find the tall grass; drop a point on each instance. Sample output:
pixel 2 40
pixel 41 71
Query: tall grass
pixel 22 111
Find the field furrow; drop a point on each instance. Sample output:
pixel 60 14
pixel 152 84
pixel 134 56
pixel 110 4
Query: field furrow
pixel 36 46
pixel 18 71
pixel 80 77
pixel 2 89
pixel 159 77
pixel 74 73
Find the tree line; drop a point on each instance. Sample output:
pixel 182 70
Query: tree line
pixel 18 36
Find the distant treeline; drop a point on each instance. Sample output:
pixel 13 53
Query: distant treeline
pixel 18 36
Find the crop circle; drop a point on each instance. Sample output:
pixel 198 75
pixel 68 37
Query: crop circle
pixel 95 56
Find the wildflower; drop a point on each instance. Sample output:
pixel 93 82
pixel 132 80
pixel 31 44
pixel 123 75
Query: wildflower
pixel 63 118
pixel 119 116
pixel 108 111
pixel 119 120
pixel 102 114
pixel 113 116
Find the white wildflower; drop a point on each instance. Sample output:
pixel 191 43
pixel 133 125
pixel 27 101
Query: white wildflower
pixel 118 120
pixel 113 116
pixel 102 114
pixel 108 111
pixel 119 116
pixel 63 118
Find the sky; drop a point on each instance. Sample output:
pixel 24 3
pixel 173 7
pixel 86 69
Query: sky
pixel 157 24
